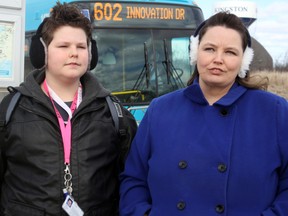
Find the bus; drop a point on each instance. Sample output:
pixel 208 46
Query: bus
pixel 143 46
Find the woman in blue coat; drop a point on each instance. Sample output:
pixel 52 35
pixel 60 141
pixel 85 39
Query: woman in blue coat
pixel 216 147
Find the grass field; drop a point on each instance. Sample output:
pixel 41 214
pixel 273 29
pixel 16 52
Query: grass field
pixel 278 82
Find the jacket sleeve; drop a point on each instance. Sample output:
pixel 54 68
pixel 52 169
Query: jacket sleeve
pixel 134 192
pixel 3 110
pixel 1 169
pixel 279 207
pixel 3 106
pixel 2 161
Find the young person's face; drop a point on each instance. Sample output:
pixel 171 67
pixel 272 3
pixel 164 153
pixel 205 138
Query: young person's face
pixel 67 54
pixel 219 57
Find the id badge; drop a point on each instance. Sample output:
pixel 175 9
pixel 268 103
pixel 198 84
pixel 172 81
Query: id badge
pixel 71 207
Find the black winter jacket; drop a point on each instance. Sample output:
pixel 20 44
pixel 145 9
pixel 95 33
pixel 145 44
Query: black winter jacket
pixel 32 153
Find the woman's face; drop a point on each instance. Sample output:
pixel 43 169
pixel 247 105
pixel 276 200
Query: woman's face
pixel 219 58
pixel 67 54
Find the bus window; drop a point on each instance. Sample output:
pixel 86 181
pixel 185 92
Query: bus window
pixel 109 59
pixel 122 61
pixel 180 57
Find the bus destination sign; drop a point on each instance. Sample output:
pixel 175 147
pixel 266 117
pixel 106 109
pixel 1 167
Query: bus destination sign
pixel 126 14
pixel 117 12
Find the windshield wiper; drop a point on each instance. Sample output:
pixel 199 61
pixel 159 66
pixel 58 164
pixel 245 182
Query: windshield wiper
pixel 170 70
pixel 145 71
pixel 138 88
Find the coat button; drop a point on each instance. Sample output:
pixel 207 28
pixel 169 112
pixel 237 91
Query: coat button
pixel 224 112
pixel 219 208
pixel 181 205
pixel 222 168
pixel 182 164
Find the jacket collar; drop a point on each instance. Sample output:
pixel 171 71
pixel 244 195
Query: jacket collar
pixel 195 94
pixel 31 86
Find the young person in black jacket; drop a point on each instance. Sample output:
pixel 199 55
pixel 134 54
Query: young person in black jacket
pixel 60 151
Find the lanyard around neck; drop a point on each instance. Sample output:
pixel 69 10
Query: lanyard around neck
pixel 65 127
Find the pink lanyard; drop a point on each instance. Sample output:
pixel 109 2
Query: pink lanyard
pixel 65 128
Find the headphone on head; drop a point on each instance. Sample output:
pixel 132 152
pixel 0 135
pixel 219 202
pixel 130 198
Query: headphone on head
pixel 38 50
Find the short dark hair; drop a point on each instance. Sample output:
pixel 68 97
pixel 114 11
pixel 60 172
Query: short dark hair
pixel 65 15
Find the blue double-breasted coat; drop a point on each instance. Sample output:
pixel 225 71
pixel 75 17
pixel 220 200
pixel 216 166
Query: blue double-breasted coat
pixel 190 158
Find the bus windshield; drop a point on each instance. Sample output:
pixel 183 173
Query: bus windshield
pixel 139 64
pixel 143 47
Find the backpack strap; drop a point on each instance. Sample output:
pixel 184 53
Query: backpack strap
pixel 116 113
pixel 11 106
pixel 7 107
